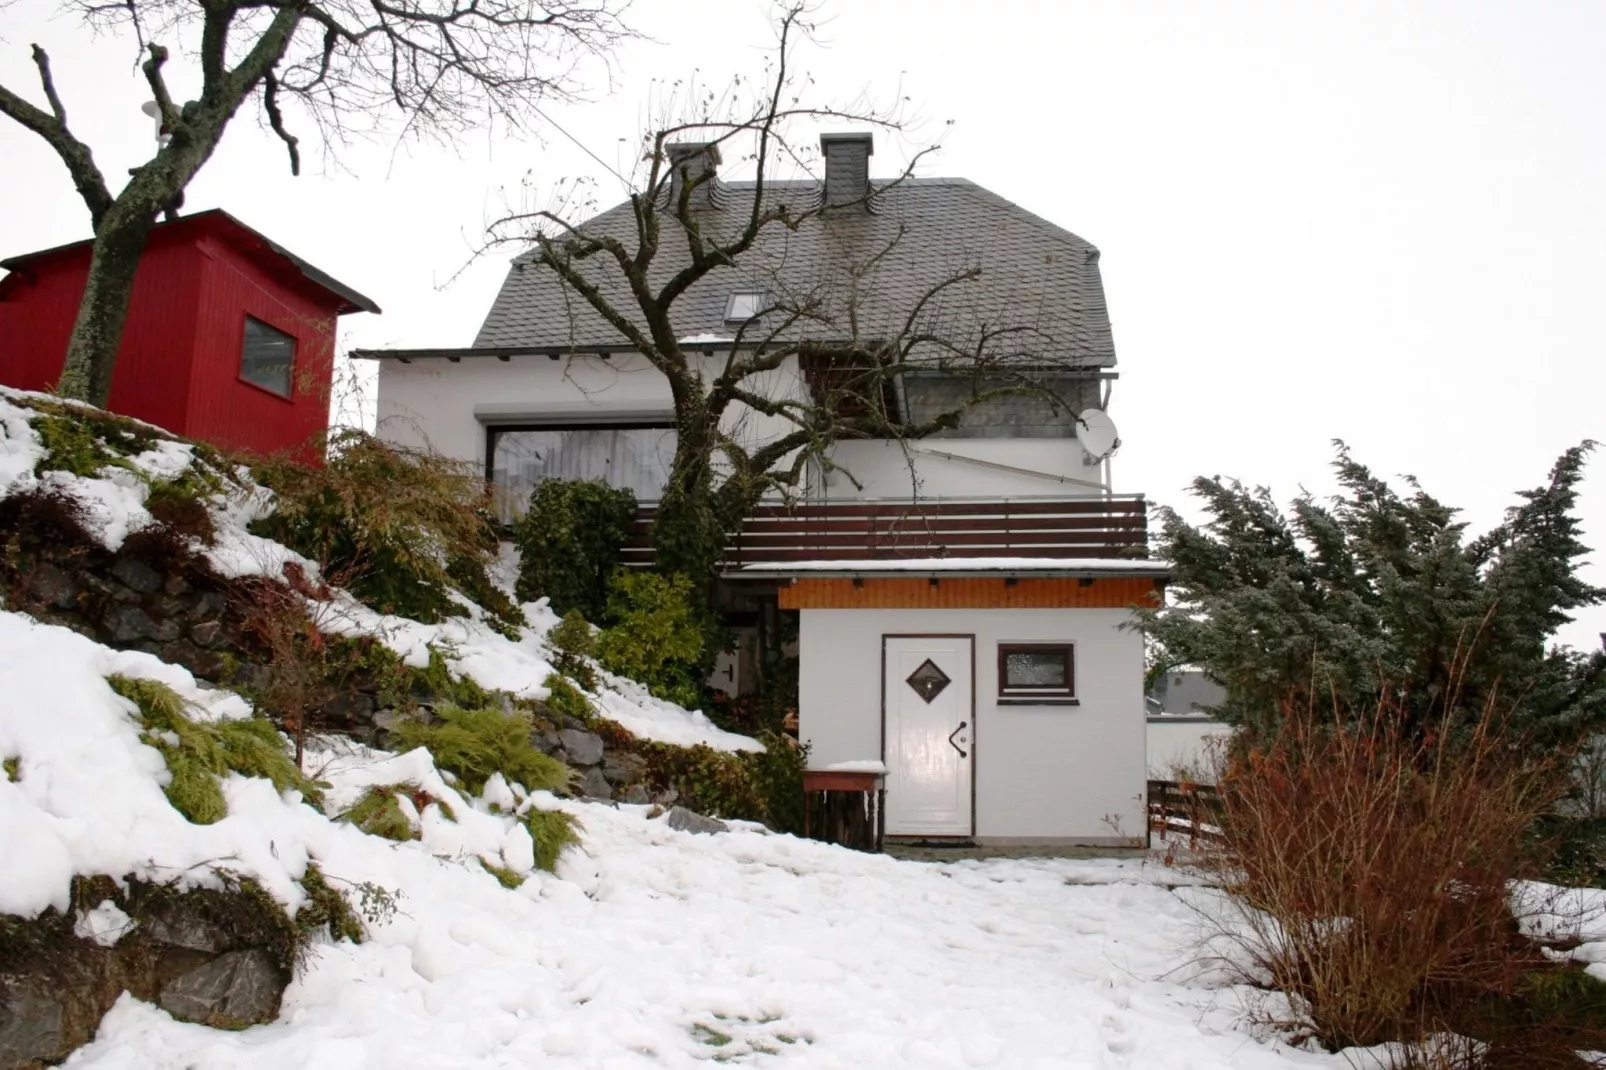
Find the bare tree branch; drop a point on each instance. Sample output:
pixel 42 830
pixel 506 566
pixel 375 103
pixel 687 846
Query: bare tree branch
pixel 52 127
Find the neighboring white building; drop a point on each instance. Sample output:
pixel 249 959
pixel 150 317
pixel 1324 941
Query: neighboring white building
pixel 992 561
pixel 1184 740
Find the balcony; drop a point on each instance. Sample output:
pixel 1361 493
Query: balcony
pixel 1088 527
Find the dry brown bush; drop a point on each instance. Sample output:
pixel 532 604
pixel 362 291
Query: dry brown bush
pixel 1368 874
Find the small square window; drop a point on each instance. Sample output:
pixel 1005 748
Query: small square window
pixel 1036 672
pixel 266 357
pixel 745 305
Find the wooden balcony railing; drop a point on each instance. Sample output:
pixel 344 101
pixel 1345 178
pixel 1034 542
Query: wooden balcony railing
pixel 854 531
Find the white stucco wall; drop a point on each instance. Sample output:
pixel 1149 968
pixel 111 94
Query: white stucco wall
pixel 883 468
pixel 1043 773
pixel 434 403
pixel 1182 742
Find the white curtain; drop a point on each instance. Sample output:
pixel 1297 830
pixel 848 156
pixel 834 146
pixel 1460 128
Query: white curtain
pixel 635 458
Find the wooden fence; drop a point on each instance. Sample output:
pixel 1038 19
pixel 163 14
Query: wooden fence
pixel 1101 526
pixel 1191 810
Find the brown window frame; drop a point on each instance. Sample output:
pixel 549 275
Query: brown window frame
pixel 1065 696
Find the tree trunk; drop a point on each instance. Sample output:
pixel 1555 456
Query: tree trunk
pixel 686 535
pixel 98 330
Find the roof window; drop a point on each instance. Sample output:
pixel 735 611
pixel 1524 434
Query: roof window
pixel 745 305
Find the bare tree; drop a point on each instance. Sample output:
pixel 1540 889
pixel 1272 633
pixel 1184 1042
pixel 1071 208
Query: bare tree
pixel 441 65
pixel 852 340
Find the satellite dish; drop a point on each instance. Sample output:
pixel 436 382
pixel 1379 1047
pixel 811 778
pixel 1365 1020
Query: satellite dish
pixel 1096 432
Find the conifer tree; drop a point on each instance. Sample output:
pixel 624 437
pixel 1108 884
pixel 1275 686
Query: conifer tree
pixel 1379 588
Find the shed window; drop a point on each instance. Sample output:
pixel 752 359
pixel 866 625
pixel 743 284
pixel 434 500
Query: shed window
pixel 266 357
pixel 1037 672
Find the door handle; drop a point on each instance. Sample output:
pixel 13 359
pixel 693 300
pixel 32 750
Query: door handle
pixel 954 745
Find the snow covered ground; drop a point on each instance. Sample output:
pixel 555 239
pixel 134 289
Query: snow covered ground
pixel 649 947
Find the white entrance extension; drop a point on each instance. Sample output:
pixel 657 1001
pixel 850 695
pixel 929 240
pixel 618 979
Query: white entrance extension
pixel 929 709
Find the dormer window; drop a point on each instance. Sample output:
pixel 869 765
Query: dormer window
pixel 745 305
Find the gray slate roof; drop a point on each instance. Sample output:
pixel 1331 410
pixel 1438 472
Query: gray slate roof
pixel 1033 273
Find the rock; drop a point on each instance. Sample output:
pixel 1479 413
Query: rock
pixel 180 929
pixel 545 742
pixel 208 634
pixel 232 991
pixel 30 1025
pixel 690 821
pixel 176 584
pixel 137 575
pixel 53 586
pixel 582 748
pixel 594 785
pixel 622 767
pixel 129 624
pixel 354 708
pixel 207 605
pixel 636 795
pixel 666 797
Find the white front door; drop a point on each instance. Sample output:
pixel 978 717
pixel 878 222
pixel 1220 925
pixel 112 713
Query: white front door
pixel 926 695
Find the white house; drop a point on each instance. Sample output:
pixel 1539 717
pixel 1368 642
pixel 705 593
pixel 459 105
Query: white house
pixel 961 599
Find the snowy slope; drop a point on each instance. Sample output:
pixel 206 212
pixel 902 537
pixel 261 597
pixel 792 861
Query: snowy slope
pixel 114 507
pixel 650 947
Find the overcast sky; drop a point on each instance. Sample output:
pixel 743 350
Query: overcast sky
pixel 1380 222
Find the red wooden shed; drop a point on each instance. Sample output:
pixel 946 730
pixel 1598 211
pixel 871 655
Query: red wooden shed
pixel 230 338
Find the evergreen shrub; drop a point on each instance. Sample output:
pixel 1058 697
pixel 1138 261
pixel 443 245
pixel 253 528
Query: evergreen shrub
pixel 569 542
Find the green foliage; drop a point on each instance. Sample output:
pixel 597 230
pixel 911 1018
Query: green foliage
pixel 13 767
pixel 765 786
pixel 437 682
pixel 327 908
pixel 552 831
pixel 71 445
pixel 777 772
pixel 709 781
pixel 572 642
pixel 468 572
pixel 510 878
pixel 564 698
pixel 401 528
pixel 199 753
pixel 378 812
pixel 656 637
pixel 569 542
pixel 474 743
pixel 1381 589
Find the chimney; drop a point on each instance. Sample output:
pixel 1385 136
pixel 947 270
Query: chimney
pixel 688 162
pixel 847 170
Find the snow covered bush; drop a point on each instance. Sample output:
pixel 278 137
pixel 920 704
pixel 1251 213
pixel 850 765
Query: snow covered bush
pixel 199 753
pixel 476 744
pixel 403 528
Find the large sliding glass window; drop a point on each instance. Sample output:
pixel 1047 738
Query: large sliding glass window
pixel 636 458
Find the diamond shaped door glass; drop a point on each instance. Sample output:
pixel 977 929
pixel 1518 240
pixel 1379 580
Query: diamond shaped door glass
pixel 928 680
